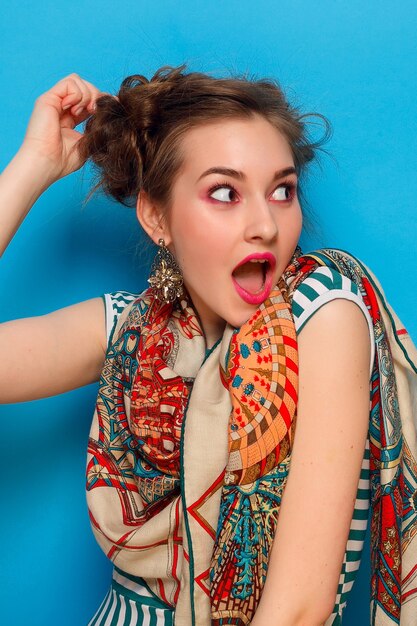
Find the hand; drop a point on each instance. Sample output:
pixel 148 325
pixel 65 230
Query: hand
pixel 51 133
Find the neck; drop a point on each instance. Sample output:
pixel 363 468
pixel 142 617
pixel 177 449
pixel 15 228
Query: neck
pixel 212 331
pixel 211 324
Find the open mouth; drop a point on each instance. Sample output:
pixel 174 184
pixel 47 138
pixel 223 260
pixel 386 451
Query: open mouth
pixel 253 277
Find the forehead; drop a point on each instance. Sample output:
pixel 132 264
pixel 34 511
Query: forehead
pixel 242 144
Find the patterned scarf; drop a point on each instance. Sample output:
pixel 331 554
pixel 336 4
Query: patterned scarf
pixel 190 451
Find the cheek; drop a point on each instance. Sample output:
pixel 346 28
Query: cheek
pixel 293 224
pixel 196 241
pixel 201 256
pixel 185 223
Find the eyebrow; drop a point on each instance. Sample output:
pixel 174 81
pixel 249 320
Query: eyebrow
pixel 227 171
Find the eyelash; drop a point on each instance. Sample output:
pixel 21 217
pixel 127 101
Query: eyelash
pixel 289 184
pixel 220 185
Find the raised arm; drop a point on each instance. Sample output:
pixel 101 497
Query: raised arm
pixel 319 497
pixel 49 354
pixel 48 152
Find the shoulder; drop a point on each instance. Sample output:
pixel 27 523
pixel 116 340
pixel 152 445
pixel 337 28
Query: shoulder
pixel 114 304
pixel 335 352
pixel 321 286
pixel 325 285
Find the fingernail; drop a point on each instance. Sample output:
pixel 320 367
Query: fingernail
pixel 78 111
pixel 67 106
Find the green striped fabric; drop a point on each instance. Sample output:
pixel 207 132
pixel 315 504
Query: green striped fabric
pixel 321 286
pixel 130 602
pixel 114 303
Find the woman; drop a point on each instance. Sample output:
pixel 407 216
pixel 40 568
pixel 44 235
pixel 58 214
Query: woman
pixel 199 491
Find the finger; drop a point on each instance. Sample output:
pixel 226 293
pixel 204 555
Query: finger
pixel 69 120
pixel 89 98
pixel 95 94
pixel 52 99
pixel 72 95
pixel 72 91
pixel 67 87
pixel 80 103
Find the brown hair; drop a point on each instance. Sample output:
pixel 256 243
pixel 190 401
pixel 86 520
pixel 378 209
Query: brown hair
pixel 134 139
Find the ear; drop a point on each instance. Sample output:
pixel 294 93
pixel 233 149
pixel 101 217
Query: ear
pixel 151 219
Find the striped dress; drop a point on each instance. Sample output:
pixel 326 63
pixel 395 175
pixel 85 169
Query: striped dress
pixel 129 602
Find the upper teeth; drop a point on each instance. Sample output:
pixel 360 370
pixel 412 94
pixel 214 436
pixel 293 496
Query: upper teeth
pixel 257 261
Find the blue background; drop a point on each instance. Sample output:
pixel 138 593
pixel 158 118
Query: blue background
pixel 354 62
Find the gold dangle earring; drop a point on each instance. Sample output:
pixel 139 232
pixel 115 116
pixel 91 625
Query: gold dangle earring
pixel 166 278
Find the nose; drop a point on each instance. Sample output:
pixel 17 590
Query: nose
pixel 261 222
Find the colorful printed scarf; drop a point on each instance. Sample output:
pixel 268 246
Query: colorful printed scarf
pixel 189 451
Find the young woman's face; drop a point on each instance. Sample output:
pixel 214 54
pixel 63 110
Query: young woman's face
pixel 235 218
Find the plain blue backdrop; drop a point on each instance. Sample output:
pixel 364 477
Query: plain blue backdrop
pixel 354 62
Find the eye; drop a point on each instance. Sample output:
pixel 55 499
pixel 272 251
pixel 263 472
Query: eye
pixel 223 193
pixel 284 192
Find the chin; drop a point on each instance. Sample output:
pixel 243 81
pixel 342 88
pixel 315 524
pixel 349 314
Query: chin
pixel 239 319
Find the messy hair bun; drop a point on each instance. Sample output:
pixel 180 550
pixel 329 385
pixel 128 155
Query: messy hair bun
pixel 134 138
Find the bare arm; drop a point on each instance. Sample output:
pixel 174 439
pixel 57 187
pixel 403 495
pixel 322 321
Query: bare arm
pixel 21 184
pixel 49 354
pixel 319 498
pixel 49 150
